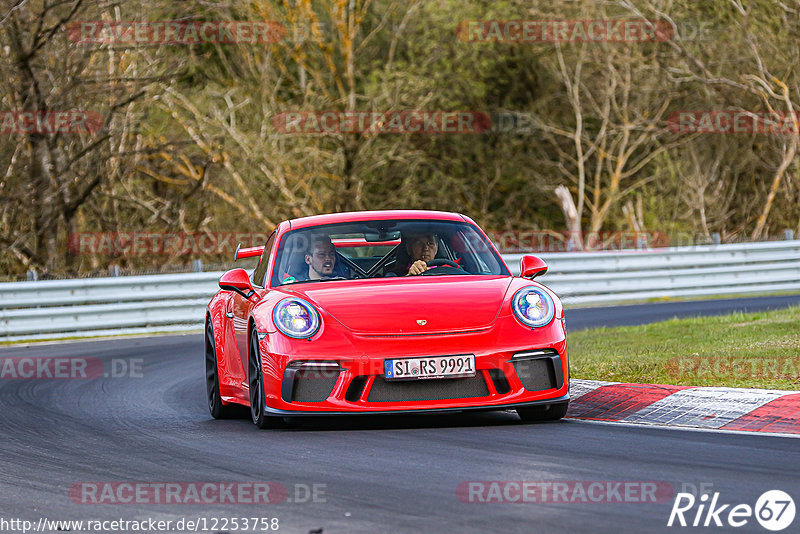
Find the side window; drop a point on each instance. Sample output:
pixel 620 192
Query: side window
pixel 263 263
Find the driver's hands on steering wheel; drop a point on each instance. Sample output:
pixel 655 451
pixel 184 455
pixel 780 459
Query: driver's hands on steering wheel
pixel 418 267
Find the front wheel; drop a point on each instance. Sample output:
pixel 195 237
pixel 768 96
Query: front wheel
pixel 545 412
pixel 215 406
pixel 256 382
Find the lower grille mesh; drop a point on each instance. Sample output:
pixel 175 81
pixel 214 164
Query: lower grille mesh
pixel 311 387
pixel 433 389
pixel 536 375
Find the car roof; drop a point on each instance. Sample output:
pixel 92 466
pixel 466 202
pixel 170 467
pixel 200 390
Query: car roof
pixel 353 216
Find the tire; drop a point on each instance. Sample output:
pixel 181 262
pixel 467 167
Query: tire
pixel 255 379
pixel 545 412
pixel 215 406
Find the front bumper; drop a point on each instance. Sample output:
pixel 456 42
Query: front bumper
pixel 433 411
pixel 332 386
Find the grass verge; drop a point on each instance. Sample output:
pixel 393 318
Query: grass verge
pixel 656 300
pixel 745 350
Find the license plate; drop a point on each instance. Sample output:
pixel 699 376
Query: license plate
pixel 433 367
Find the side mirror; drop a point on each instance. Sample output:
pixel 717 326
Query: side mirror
pixel 531 267
pixel 237 280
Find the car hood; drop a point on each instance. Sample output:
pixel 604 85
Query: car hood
pixel 398 306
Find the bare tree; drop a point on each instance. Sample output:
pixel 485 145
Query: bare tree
pixel 52 174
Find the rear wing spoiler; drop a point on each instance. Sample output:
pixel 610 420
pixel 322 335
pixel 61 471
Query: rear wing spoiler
pixel 247 252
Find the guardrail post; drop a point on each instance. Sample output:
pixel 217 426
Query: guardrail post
pixel 32 275
pixel 197 266
pixel 716 239
pixel 113 270
pixel 788 235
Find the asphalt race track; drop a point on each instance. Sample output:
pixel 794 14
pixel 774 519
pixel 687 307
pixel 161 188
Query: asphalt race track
pixel 373 475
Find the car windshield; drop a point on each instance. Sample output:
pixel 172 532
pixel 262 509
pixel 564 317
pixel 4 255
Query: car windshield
pixel 383 249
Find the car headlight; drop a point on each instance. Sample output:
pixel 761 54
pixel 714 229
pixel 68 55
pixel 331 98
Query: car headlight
pixel 296 318
pixel 533 307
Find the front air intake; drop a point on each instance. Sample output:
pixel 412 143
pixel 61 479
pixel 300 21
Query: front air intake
pixel 538 370
pixel 309 386
pixel 309 381
pixel 422 390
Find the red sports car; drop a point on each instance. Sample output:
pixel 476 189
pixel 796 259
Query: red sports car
pixel 383 312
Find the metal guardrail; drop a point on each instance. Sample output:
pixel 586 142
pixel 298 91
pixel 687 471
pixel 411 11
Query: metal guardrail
pixel 604 277
pixel 174 302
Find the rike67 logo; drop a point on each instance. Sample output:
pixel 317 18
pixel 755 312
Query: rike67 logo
pixel 774 510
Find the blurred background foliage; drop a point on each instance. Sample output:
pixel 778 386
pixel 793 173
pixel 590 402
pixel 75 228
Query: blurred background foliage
pixel 189 144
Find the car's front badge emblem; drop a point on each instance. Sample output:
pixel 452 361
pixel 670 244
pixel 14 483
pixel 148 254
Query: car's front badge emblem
pixel 422 322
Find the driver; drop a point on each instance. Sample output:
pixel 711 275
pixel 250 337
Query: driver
pixel 421 248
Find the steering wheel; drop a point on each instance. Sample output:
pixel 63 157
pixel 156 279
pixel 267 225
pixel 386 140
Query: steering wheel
pixel 440 262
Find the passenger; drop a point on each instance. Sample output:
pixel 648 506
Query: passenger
pixel 320 257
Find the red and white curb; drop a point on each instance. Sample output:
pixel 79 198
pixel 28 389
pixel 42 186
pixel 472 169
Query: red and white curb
pixel 753 410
